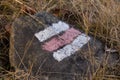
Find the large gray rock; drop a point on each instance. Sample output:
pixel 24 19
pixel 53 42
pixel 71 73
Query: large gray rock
pixel 26 52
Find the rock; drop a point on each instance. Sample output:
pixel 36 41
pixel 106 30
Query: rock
pixel 27 54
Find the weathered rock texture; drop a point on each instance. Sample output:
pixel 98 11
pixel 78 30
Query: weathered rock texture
pixel 27 54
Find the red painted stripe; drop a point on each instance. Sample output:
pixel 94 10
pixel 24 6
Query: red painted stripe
pixel 62 40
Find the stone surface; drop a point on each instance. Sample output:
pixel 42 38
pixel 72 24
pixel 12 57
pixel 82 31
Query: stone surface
pixel 27 54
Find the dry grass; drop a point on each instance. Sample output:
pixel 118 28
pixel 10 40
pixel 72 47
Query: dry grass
pixel 100 18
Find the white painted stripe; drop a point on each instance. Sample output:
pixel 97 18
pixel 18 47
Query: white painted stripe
pixel 50 31
pixel 70 49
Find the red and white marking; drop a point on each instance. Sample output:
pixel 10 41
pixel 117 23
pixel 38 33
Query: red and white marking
pixel 70 49
pixel 62 40
pixel 71 40
pixel 50 31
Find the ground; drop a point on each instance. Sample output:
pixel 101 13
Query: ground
pixel 100 18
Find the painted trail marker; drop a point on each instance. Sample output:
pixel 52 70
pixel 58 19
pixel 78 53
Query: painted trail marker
pixel 68 37
pixel 70 49
pixel 53 30
pixel 62 40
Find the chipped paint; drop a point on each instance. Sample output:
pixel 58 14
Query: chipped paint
pixel 62 40
pixel 70 49
pixel 50 31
